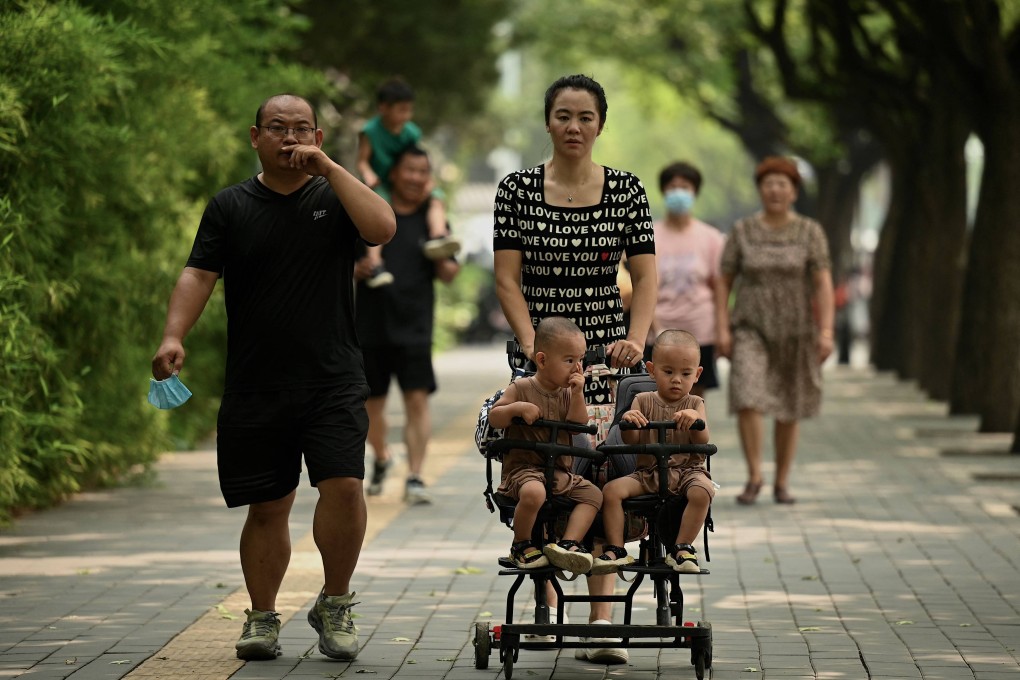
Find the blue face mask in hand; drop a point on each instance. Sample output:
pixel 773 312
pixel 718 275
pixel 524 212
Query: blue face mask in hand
pixel 679 201
pixel 169 393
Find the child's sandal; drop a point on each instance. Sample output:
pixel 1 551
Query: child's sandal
pixel 684 559
pixel 526 555
pixel 612 558
pixel 578 560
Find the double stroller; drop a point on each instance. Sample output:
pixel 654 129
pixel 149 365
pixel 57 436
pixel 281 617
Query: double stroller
pixel 656 517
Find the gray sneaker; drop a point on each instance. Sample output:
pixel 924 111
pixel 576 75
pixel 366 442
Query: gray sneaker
pixel 330 616
pixel 379 470
pixel 260 639
pixel 415 493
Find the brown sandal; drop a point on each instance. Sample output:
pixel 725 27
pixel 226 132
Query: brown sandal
pixel 750 495
pixel 781 495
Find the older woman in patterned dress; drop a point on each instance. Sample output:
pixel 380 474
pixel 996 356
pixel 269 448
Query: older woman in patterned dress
pixel 780 329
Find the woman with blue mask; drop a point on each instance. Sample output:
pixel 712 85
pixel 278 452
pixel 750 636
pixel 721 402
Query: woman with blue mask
pixel 687 253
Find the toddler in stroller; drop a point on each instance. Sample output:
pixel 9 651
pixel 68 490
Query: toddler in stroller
pixel 555 392
pixel 675 369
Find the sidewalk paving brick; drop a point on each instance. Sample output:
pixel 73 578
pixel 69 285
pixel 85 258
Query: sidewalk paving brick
pixel 901 559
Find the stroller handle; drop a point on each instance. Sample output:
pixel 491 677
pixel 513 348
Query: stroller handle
pixel 698 424
pixel 559 424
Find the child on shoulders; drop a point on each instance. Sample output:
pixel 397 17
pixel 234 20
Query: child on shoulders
pixel 382 140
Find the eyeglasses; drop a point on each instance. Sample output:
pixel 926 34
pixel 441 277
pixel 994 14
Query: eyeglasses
pixel 279 131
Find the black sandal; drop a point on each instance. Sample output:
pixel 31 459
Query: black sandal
pixel 612 558
pixel 619 552
pixel 684 559
pixel 526 555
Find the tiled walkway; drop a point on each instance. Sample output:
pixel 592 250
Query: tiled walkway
pixel 901 560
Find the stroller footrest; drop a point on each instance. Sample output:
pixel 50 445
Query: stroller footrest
pixel 661 569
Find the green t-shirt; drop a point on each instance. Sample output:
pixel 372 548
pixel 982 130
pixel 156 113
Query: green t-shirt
pixel 386 146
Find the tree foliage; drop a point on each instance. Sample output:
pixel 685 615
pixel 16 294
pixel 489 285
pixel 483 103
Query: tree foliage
pixel 826 80
pixel 116 122
pixel 709 53
pixel 446 50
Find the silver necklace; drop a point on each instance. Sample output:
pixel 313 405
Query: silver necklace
pixel 570 195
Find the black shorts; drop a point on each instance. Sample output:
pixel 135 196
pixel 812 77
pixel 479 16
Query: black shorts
pixel 709 378
pixel 411 364
pixel 261 437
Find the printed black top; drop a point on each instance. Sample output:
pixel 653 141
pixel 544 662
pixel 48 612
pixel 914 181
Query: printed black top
pixel 570 256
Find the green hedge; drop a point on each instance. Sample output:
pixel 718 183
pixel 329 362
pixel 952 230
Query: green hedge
pixel 115 128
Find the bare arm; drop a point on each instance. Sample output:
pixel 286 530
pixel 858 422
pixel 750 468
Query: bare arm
pixel 507 264
pixel 363 165
pixel 578 411
pixel 372 215
pixel 825 306
pixel 447 270
pixel 508 407
pixel 646 290
pixel 686 417
pixel 642 310
pixel 189 297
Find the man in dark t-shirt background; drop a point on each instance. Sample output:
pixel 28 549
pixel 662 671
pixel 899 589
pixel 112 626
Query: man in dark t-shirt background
pixel 395 324
pixel 284 244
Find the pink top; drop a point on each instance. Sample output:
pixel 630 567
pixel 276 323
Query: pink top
pixel 688 264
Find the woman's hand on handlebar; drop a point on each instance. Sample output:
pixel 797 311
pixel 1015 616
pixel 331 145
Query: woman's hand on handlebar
pixel 624 353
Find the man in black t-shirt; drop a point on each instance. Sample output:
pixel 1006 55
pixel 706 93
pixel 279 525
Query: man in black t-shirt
pixel 284 244
pixel 395 324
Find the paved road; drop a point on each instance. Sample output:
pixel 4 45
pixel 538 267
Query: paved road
pixel 901 560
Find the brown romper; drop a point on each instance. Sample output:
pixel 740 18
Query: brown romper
pixel 520 466
pixel 685 470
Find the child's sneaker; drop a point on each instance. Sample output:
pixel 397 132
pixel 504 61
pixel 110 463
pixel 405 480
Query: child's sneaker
pixel 260 639
pixel 684 559
pixel 609 562
pixel 379 469
pixel 330 616
pixel 441 248
pixel 379 277
pixel 577 561
pixel 415 493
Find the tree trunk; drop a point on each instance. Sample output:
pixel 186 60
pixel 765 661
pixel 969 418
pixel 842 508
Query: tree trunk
pixel 888 271
pixel 986 376
pixel 941 250
pixel 1016 437
pixel 917 285
pixel 839 189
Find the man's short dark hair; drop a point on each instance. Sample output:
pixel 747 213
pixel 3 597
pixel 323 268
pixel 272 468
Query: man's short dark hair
pixel 410 150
